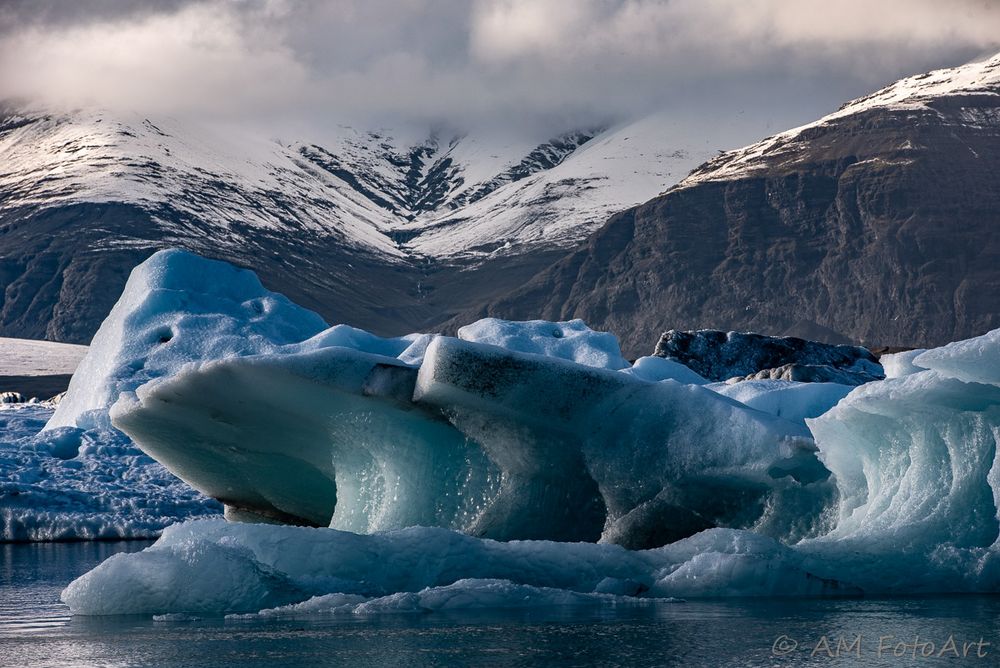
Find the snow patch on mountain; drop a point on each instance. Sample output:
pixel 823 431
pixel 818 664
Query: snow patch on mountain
pixel 222 176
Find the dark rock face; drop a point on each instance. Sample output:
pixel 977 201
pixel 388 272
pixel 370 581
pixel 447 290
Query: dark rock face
pixel 878 225
pixel 720 356
pixel 60 274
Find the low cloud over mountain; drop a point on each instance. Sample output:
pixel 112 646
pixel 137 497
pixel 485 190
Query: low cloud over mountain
pixel 460 61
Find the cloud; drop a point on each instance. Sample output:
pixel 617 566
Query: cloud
pixel 203 57
pixel 459 59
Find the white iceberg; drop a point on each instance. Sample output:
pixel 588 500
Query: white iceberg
pixel 655 369
pixel 571 340
pixel 915 462
pixel 82 479
pixel 443 473
pixel 897 365
pixel 974 360
pixel 256 403
pixel 785 398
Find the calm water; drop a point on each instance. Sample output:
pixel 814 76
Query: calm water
pixel 36 630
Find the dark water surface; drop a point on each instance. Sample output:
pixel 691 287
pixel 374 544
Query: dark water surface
pixel 36 630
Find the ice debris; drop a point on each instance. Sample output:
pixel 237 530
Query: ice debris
pixel 75 484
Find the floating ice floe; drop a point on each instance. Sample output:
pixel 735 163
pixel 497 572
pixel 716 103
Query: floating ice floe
pixel 465 595
pixel 214 568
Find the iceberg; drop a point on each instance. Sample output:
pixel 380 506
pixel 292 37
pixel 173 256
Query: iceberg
pixel 70 475
pixel 571 340
pixel 915 462
pixel 974 360
pixel 477 438
pixel 511 465
pixel 612 456
pixel 655 369
pixel 897 365
pixel 176 308
pixel 534 430
pixel 786 399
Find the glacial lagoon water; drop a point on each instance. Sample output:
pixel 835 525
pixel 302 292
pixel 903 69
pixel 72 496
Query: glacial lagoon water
pixel 37 630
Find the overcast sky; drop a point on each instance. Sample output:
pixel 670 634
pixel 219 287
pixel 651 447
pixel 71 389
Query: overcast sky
pixel 460 61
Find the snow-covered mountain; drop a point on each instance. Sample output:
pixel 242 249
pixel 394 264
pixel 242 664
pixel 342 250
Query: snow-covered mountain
pixel 436 196
pixel 368 227
pixel 876 224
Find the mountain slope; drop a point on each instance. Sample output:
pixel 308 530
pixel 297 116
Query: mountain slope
pixel 388 231
pixel 876 224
